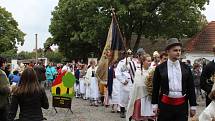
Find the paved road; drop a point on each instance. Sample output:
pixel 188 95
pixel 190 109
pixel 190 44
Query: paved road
pixel 84 112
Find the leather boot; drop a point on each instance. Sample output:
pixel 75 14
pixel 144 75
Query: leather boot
pixel 122 113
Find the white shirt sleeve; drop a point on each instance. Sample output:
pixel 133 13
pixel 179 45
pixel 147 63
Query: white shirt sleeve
pixel 119 73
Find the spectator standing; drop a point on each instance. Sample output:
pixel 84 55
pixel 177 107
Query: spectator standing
pixel 4 91
pixel 196 78
pixel 41 73
pixel 30 97
pixel 50 74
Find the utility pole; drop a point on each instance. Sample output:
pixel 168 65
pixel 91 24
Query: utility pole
pixel 36 47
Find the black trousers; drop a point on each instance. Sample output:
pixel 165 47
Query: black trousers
pixel 208 100
pixel 4 113
pixel 173 113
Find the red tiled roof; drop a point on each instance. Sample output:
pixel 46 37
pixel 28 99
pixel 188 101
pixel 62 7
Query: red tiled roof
pixel 203 41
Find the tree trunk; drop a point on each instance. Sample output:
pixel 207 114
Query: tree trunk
pixel 128 43
pixel 137 43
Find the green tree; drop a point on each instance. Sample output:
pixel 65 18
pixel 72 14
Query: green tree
pixel 68 81
pixel 25 55
pixel 9 55
pixel 10 34
pixel 85 22
pixel 54 56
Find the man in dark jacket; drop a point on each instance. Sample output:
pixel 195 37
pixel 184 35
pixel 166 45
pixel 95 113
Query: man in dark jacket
pixel 207 78
pixel 173 87
pixel 40 71
pixel 4 91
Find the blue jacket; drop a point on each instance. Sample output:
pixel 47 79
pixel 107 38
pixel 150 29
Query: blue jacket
pixel 16 79
pixel 50 73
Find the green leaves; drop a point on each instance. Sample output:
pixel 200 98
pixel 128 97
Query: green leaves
pixel 10 34
pixel 85 22
pixel 68 80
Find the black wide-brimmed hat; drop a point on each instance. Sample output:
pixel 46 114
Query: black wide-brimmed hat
pixel 172 42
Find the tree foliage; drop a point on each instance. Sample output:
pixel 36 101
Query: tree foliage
pixel 52 56
pixel 78 23
pixel 10 34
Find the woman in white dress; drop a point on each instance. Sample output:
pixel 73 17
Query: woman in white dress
pixel 140 107
pixel 83 72
pixel 93 84
pixel 208 114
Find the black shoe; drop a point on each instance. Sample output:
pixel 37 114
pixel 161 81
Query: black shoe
pixel 122 115
pixel 130 118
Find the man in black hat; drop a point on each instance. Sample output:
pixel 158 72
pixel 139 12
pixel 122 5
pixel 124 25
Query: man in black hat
pixel 173 87
pixel 208 78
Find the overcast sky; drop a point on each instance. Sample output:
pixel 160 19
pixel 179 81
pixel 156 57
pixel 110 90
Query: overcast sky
pixel 34 16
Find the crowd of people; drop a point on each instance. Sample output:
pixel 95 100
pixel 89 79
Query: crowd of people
pixel 139 87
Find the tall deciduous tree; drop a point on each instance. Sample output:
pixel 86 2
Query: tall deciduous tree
pixel 85 22
pixel 10 34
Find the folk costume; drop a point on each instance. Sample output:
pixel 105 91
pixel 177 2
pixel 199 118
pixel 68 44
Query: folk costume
pixel 93 85
pixel 140 107
pixel 113 88
pixel 207 79
pixel 123 75
pixel 155 56
pixel 77 83
pixel 173 89
pixel 208 114
pixel 82 83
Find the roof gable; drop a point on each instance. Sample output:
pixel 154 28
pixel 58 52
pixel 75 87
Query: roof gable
pixel 203 41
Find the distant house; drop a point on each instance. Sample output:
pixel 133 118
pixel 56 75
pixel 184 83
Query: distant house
pixel 200 46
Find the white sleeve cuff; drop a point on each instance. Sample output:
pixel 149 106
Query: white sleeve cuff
pixel 154 106
pixel 193 107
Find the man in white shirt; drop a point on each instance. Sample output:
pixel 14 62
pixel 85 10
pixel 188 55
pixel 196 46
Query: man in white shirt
pixel 173 87
pixel 66 68
pixel 122 74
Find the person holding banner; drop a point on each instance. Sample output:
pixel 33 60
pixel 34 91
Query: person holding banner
pixel 93 84
pixel 123 75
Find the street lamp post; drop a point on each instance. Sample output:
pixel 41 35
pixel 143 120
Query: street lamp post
pixel 36 47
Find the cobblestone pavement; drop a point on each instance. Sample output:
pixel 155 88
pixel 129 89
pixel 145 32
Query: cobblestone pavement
pixel 82 111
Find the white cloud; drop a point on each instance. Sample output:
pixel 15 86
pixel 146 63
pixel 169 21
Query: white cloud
pixel 33 17
pixel 209 12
